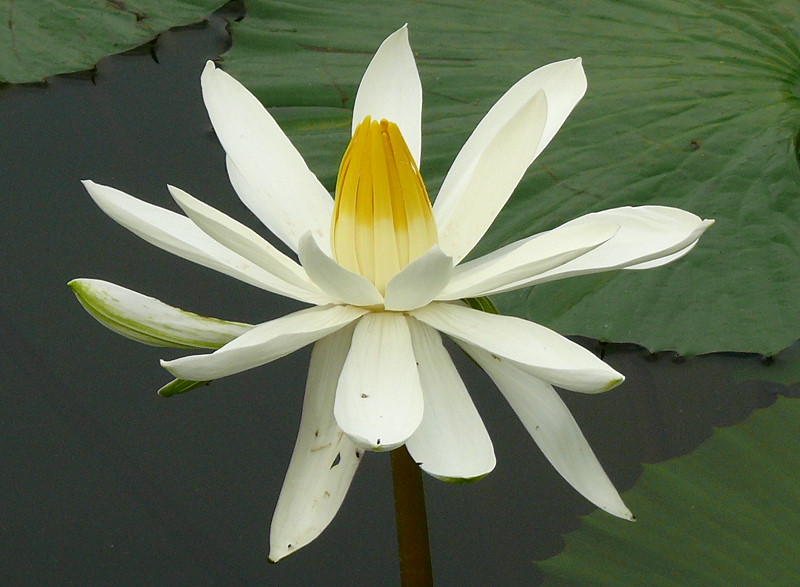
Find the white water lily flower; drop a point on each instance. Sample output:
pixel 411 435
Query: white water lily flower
pixel 382 271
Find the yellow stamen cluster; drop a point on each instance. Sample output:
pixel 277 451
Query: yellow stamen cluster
pixel 382 217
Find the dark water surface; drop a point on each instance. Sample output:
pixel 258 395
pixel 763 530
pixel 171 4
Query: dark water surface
pixel 105 483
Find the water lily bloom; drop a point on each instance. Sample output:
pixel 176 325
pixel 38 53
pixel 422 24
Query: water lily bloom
pixel 383 272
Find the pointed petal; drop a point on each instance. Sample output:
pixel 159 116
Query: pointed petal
pixel 324 458
pixel 551 425
pixel 379 400
pixel 512 134
pixel 336 281
pixel 182 237
pixel 419 282
pixel 526 258
pixel 451 443
pixel 244 241
pixel 649 236
pixel 391 89
pixel 264 343
pixel 545 353
pixel 278 186
pixel 148 320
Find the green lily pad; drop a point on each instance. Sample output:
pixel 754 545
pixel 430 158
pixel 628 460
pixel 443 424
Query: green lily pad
pixel 40 38
pixel 691 103
pixel 725 514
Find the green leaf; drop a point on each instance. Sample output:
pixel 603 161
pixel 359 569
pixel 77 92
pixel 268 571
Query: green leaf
pixel 177 386
pixel 691 103
pixel 40 38
pixel 725 514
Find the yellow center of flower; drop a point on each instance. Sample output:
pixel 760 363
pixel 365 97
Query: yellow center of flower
pixel 382 217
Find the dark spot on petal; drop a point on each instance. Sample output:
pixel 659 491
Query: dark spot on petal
pixel 358 454
pixel 364 395
pixel 337 460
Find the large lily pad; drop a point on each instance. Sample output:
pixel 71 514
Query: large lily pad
pixel 723 515
pixel 40 38
pixel 691 103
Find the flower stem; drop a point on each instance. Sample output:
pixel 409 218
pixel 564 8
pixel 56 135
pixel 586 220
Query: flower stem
pixel 412 521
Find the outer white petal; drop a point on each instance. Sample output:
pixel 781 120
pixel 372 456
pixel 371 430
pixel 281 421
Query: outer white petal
pixel 336 281
pixel 451 443
pixel 649 236
pixel 180 236
pixel 279 187
pixel 545 353
pixel 518 117
pixel 420 281
pixel 526 258
pixel 244 241
pixel 391 89
pixel 549 422
pixel 324 459
pixel 379 400
pixel 486 171
pixel 264 343
pixel 148 320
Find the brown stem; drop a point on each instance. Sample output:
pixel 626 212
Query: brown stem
pixel 412 521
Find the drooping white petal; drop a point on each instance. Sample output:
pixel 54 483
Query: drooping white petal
pixel 150 321
pixel 180 236
pixel 526 258
pixel 543 352
pixel 336 281
pixel 242 240
pixel 264 343
pixel 379 400
pixel 451 443
pixel 278 186
pixel 324 458
pixel 648 237
pixel 491 163
pixel 391 89
pixel 549 422
pixel 420 281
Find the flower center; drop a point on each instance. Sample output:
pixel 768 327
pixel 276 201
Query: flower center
pixel 382 217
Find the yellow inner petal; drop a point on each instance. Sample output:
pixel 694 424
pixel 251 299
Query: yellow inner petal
pixel 382 217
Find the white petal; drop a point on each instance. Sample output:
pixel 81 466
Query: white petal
pixel 551 425
pixel 648 236
pixel 545 353
pixel 491 163
pixel 278 186
pixel 324 458
pixel 526 258
pixel 391 89
pixel 419 282
pixel 336 281
pixel 244 241
pixel 180 236
pixel 451 443
pixel 151 321
pixel 379 400
pixel 264 343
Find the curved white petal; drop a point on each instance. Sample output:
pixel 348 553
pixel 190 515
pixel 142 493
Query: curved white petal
pixel 264 343
pixel 526 258
pixel 278 186
pixel 391 89
pixel 336 281
pixel 180 236
pixel 151 321
pixel 649 236
pixel 451 443
pixel 545 353
pixel 324 458
pixel 379 400
pixel 244 241
pixel 511 135
pixel 486 172
pixel 419 282
pixel 553 428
